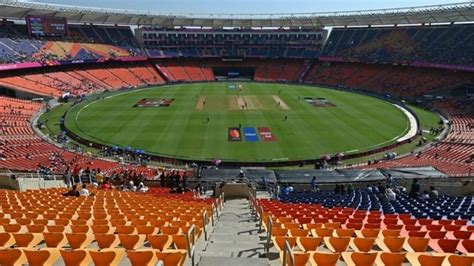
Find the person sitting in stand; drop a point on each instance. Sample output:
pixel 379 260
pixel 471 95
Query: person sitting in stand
pixel 73 192
pixel 84 191
pixel 106 185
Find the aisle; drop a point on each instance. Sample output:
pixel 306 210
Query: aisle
pixel 235 240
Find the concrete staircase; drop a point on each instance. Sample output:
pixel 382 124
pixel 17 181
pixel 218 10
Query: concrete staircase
pixel 235 239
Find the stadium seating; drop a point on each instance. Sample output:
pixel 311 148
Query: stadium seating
pixel 401 81
pixel 83 80
pixel 22 150
pixel 438 44
pixel 319 231
pixel 86 42
pixel 43 227
pixel 255 43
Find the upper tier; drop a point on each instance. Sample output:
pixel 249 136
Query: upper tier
pixel 446 45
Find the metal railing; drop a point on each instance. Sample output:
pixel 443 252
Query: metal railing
pixel 288 252
pixel 205 218
pixel 191 243
pixel 269 233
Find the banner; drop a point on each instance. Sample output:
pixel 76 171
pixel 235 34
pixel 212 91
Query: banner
pixel 20 66
pixel 266 134
pixel 250 134
pixel 233 134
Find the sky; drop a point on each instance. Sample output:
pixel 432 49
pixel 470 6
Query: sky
pixel 247 6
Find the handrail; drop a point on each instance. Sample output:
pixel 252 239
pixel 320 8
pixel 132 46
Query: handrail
pixel 260 214
pixel 205 218
pixel 222 199
pixel 214 212
pixel 191 243
pixel 269 233
pixel 288 251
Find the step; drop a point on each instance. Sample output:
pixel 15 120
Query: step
pixel 232 238
pixel 220 261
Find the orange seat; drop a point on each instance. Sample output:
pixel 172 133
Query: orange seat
pixel 372 225
pixel 170 230
pixel 23 221
pixel 77 257
pixel 80 229
pixel 428 260
pixel 391 259
pixel 27 240
pixel 107 257
pixel 36 228
pixel 54 240
pixel 106 240
pixel 359 258
pixel 355 226
pixel 391 233
pixel 337 244
pixel 55 228
pixel 159 242
pixel 130 242
pixel 370 233
pixel 332 225
pixel 11 257
pixel 298 232
pixel 6 240
pixel 323 232
pixel 312 225
pixel 360 244
pixel 391 244
pixel 141 257
pixel 459 260
pixel 179 241
pixel 47 256
pixel 172 258
pixel 345 232
pixel 79 241
pixel 417 244
pixel 308 243
pixel 146 230
pixel 40 222
pixel 79 222
pixel 325 258
pixel 125 229
pixel 100 229
pixel 301 258
pixel 279 242
pixel 12 228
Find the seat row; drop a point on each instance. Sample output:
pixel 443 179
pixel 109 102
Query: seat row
pixel 83 257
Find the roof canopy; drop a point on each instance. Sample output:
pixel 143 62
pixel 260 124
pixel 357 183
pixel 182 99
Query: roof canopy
pixel 457 12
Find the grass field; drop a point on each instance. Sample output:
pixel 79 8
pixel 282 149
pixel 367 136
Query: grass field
pixel 356 122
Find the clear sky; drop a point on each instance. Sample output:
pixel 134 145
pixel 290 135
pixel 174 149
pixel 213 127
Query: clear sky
pixel 246 6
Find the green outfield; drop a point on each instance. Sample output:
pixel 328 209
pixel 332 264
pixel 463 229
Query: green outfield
pixel 282 122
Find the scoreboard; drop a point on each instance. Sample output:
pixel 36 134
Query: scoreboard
pixel 46 26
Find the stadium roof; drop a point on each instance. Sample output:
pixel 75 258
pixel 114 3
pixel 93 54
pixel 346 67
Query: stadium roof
pixel 456 12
